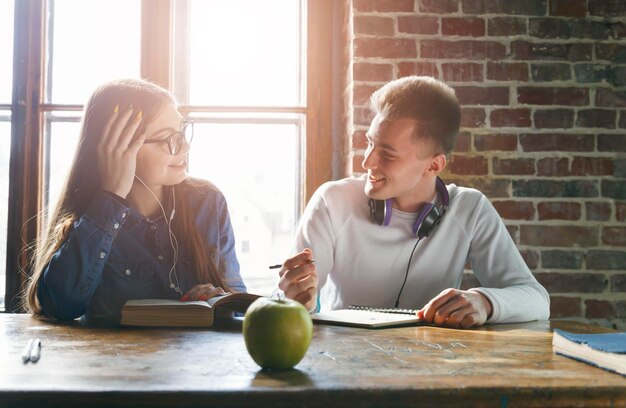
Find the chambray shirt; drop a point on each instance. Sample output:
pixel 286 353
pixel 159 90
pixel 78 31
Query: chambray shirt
pixel 113 254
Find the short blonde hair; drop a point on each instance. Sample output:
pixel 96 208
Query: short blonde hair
pixel 431 103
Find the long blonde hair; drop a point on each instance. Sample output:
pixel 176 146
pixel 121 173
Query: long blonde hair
pixel 83 181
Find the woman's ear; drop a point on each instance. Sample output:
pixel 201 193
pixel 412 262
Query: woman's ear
pixel 437 164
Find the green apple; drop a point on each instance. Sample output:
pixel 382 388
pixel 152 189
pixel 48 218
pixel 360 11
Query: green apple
pixel 277 332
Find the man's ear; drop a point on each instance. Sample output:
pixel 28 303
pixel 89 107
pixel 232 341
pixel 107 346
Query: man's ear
pixel 437 164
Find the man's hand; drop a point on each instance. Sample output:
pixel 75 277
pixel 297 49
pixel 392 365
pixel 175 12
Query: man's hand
pixel 298 279
pixel 457 308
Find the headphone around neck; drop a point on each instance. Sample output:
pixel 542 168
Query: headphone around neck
pixel 427 220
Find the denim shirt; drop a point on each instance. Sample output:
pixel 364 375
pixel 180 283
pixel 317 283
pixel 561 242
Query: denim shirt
pixel 114 254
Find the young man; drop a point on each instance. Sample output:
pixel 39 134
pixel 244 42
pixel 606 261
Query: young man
pixel 399 237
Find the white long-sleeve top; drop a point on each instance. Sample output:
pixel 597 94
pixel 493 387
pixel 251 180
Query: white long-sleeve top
pixel 361 263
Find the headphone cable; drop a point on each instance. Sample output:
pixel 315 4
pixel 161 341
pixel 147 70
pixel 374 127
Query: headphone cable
pixel 406 275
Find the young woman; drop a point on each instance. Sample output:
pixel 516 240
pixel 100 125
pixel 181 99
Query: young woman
pixel 130 223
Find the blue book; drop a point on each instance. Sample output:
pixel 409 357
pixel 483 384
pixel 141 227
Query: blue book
pixel 604 350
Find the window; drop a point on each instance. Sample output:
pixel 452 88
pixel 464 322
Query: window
pixel 242 70
pixel 6 70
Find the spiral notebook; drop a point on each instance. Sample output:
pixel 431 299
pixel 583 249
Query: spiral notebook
pixel 368 317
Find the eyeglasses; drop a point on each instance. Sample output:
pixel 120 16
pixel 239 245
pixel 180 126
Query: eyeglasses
pixel 175 139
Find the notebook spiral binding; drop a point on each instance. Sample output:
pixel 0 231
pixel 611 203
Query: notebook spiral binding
pixel 391 310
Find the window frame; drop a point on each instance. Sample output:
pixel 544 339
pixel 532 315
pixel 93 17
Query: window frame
pixel 27 168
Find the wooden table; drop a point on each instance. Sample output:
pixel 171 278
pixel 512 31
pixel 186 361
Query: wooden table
pixel 500 366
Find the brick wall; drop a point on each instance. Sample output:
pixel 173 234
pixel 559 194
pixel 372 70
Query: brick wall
pixel 543 89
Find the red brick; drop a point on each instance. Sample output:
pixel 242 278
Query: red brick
pixel 608 97
pixel 614 236
pixel 620 211
pixel 472 117
pixel 506 26
pixel 553 118
pixel 512 230
pixel 418 68
pixel 541 142
pixel 596 118
pixel 383 6
pixel 597 211
pixel 561 306
pixel 572 282
pixel 359 141
pixel 438 6
pixel 492 188
pixel 553 167
pixel 591 166
pixel 558 235
pixel 553 96
pixel 463 142
pixel 526 7
pixel 463 26
pixel 612 143
pixel 357 164
pixel 559 211
pixel 373 25
pixel 607 8
pixel 598 309
pixel 495 142
pixel 510 118
pixel 504 71
pixel 515 210
pixel 367 72
pixel 363 116
pixel 574 52
pixel 384 48
pixel 468 165
pixel 550 28
pixel 473 95
pixel 530 257
pixel 610 52
pixel 622 119
pixel 568 8
pixel 471 50
pixel 513 166
pixel 362 93
pixel 462 72
pixel 418 25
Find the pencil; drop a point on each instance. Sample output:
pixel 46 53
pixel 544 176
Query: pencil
pixel 281 265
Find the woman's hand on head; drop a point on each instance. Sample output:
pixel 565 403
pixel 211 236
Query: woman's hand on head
pixel 117 150
pixel 202 292
pixel 298 279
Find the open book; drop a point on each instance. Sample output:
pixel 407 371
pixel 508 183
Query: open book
pixel 604 350
pixel 368 317
pixel 174 313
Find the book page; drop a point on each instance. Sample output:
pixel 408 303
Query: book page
pixel 364 318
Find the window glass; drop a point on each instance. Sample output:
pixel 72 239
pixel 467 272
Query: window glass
pixel 5 149
pixel 63 133
pixel 254 165
pixel 6 51
pixel 245 52
pixel 92 42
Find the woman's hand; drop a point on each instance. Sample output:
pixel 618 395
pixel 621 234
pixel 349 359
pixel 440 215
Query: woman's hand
pixel 298 279
pixel 202 292
pixel 117 150
pixel 457 308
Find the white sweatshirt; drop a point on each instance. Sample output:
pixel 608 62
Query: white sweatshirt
pixel 361 263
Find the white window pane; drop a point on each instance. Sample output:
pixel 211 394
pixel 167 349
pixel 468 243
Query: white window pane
pixel 254 165
pixel 6 51
pixel 93 42
pixel 5 149
pixel 63 141
pixel 245 52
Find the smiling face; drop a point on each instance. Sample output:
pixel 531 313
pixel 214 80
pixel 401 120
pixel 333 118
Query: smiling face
pixel 398 166
pixel 155 165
